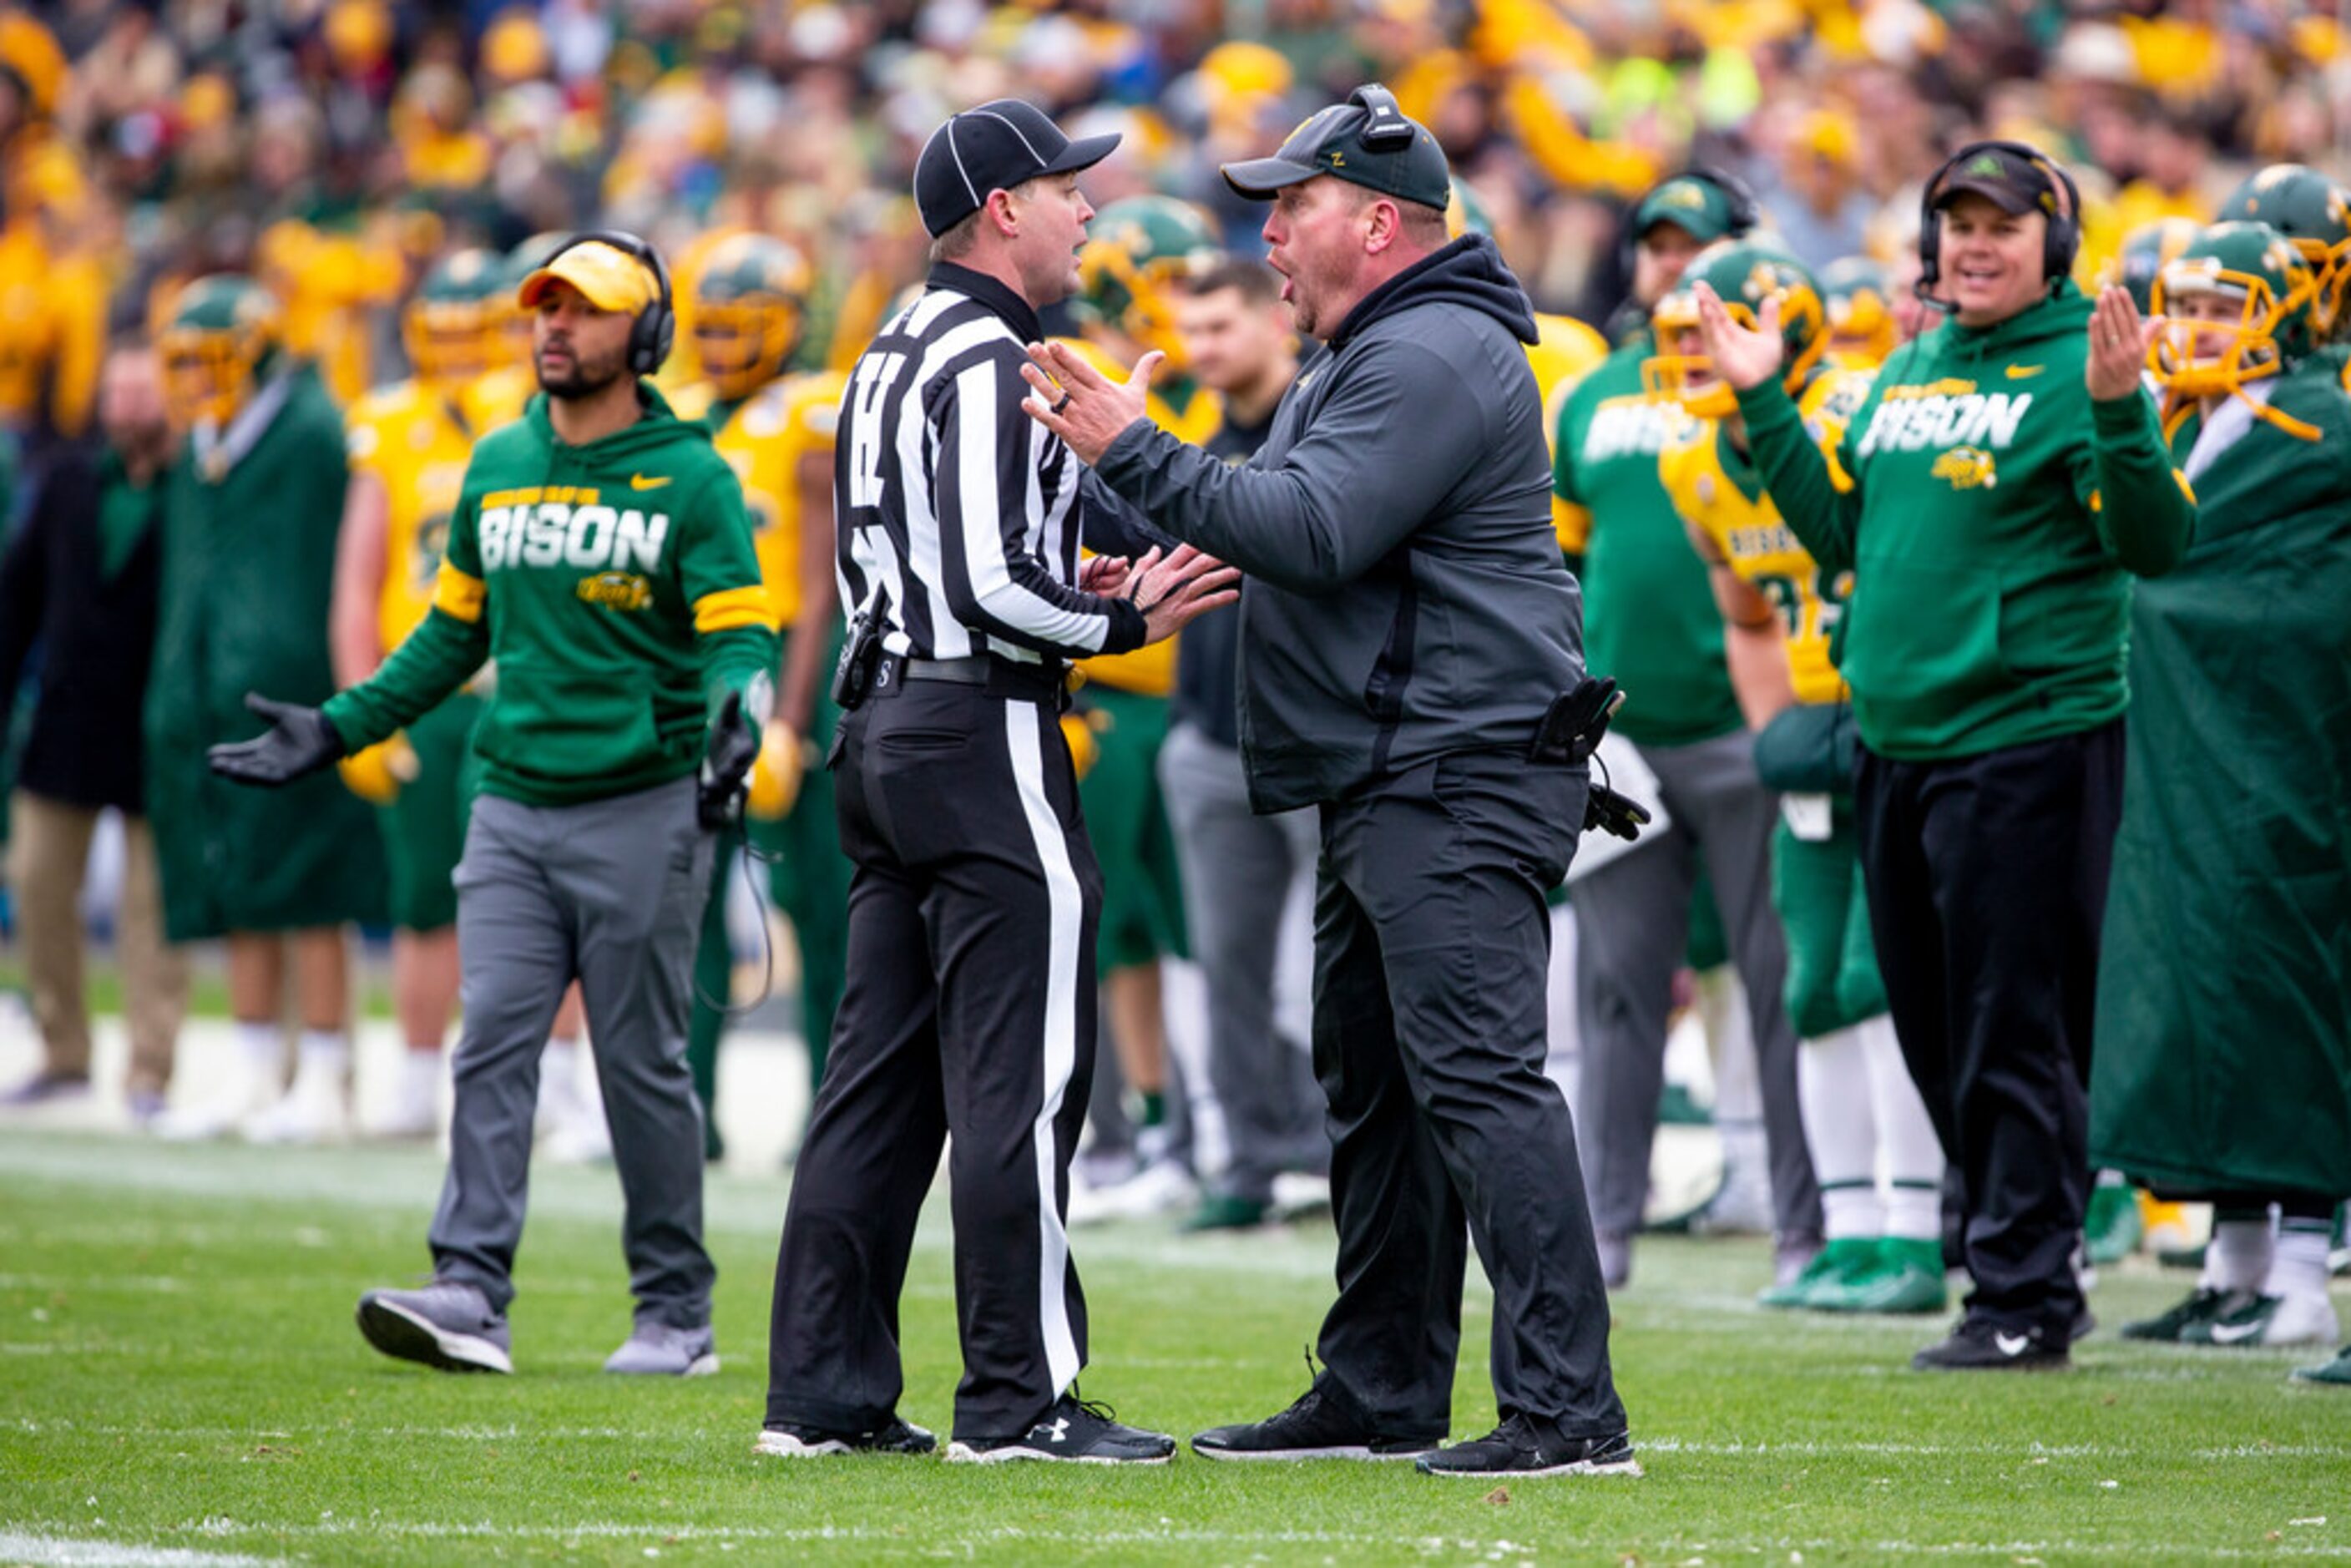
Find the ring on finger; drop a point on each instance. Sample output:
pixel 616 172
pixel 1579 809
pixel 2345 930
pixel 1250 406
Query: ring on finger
pixel 1062 404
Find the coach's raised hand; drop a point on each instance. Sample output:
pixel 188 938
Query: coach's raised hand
pixel 1077 402
pixel 299 741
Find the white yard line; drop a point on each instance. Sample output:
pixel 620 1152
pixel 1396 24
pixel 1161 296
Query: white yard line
pixel 81 1552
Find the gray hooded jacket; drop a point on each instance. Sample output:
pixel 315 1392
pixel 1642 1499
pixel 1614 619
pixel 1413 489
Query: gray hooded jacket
pixel 1406 596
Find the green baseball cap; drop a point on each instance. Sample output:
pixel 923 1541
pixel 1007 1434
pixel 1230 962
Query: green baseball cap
pixel 1699 206
pixel 1367 140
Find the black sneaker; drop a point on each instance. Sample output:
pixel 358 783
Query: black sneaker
pixel 2202 1305
pixel 1074 1431
pixel 1981 1345
pixel 787 1440
pixel 1326 1423
pixel 1523 1446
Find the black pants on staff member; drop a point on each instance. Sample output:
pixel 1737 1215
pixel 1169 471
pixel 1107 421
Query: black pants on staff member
pixel 972 910
pixel 1431 942
pixel 1987 879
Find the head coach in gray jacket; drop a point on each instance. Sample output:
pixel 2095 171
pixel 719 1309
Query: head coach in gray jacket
pixel 1405 626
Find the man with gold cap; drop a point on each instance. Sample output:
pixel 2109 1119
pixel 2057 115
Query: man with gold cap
pixel 599 552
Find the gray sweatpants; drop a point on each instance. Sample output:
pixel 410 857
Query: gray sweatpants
pixel 1239 870
pixel 609 894
pixel 1631 920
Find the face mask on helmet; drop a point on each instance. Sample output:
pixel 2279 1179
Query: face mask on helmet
pixel 212 350
pixel 2314 214
pixel 747 312
pixel 1862 324
pixel 1743 279
pixel 2260 326
pixel 1136 301
pixel 207 376
pixel 1132 272
pixel 449 342
pixel 743 343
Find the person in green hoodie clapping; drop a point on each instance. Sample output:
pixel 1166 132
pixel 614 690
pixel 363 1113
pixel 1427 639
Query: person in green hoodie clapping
pixel 1994 495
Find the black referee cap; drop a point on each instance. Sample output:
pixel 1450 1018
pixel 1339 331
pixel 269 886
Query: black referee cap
pixel 993 148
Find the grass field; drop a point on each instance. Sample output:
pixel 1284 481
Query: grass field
pixel 180 1383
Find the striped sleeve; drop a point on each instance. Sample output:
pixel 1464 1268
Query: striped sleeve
pixel 993 504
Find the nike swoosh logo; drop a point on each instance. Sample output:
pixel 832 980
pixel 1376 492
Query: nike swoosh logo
pixel 2234 1334
pixel 2013 1344
pixel 2024 372
pixel 639 482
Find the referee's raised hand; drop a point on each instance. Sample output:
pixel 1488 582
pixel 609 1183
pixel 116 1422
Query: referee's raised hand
pixel 1175 589
pixel 1077 402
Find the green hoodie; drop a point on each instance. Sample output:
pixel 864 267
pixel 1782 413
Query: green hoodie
pixel 1994 517
pixel 616 587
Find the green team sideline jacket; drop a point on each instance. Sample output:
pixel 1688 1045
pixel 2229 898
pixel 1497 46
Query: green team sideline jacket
pixel 1992 514
pixel 615 585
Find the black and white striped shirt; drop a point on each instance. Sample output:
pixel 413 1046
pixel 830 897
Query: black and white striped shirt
pixel 953 501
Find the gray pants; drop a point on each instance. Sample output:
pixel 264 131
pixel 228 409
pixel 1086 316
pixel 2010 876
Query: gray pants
pixel 1239 869
pixel 1633 925
pixel 609 894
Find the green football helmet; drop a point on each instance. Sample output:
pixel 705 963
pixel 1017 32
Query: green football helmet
pixel 2258 276
pixel 750 296
pixel 2314 213
pixel 1140 250
pixel 451 325
pixel 1744 273
pixel 1859 299
pixel 2146 250
pixel 219 334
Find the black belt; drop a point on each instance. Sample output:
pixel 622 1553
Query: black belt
pixel 984 673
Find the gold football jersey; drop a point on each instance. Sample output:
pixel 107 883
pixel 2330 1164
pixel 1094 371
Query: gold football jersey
pixel 410 437
pixel 1720 492
pixel 765 441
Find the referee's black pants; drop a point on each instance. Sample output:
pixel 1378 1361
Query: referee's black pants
pixel 970 1009
pixel 1432 941
pixel 1987 881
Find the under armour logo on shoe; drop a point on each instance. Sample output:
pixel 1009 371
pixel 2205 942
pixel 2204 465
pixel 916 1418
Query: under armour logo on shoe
pixel 2012 1345
pixel 1060 1428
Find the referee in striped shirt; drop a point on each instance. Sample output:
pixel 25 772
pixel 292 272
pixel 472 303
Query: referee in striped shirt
pixel 970 1004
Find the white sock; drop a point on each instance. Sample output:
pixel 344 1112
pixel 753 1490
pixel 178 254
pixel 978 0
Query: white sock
pixel 262 1048
pixel 420 1077
pixel 2298 1267
pixel 1722 1011
pixel 1914 1211
pixel 2239 1258
pixel 1907 1146
pixel 1746 1153
pixel 324 1053
pixel 1833 1087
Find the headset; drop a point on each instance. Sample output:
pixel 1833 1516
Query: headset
pixel 2059 245
pixel 1746 211
pixel 654 330
pixel 1387 129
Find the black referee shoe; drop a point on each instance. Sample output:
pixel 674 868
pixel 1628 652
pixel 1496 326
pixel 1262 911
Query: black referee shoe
pixel 785 1440
pixel 1326 1423
pixel 1074 1431
pixel 1523 1446
pixel 1979 1345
